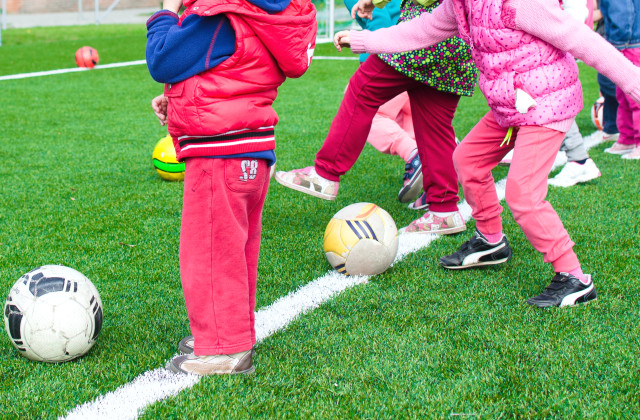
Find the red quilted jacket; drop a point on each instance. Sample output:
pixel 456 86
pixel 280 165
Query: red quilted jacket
pixel 228 109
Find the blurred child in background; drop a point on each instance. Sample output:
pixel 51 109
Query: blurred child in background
pixel 622 30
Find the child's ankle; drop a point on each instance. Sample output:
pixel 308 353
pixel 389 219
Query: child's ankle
pixel 492 238
pixel 577 272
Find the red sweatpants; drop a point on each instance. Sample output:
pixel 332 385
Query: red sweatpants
pixel 219 247
pixel 373 84
pixel 535 149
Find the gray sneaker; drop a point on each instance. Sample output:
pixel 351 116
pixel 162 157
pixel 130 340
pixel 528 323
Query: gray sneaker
pixel 217 364
pixel 185 346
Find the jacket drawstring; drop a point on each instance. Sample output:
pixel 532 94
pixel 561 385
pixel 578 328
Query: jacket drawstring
pixel 507 138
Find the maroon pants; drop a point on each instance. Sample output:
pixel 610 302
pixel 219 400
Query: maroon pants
pixel 219 247
pixel 373 84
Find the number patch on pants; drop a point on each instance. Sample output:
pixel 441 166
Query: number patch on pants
pixel 249 169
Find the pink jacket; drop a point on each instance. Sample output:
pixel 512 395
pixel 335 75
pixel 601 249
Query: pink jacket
pixel 516 44
pixel 228 109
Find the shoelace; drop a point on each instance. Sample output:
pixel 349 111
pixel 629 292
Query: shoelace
pixel 557 283
pixel 407 171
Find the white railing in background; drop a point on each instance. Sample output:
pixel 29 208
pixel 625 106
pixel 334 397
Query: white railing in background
pixel 331 17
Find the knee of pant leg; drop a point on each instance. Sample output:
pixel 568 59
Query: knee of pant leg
pixel 459 162
pixel 515 199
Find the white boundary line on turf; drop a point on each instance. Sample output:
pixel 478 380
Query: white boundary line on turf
pixel 114 65
pixel 127 401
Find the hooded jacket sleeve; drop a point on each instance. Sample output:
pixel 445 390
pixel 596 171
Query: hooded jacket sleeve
pixel 423 31
pixel 176 52
pixel 545 20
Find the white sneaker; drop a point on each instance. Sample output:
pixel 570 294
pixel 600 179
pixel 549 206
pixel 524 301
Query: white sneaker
pixel 634 154
pixel 593 139
pixel 573 173
pixel 610 137
pixel 620 149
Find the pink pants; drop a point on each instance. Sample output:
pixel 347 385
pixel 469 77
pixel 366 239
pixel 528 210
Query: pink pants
pixel 628 118
pixel 219 247
pixel 534 153
pixel 373 84
pixel 392 128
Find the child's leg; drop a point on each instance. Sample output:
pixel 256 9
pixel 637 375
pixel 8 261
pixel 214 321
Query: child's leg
pixel 573 144
pixel 389 133
pixel 535 152
pixel 625 119
pixel 633 54
pixel 432 112
pixel 219 245
pixel 373 84
pixel 610 110
pixel 474 158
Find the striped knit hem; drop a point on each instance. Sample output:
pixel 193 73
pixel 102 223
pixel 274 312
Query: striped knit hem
pixel 228 140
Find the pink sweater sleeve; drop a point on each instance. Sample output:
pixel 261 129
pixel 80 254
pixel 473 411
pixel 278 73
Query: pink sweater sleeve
pixel 545 20
pixel 425 30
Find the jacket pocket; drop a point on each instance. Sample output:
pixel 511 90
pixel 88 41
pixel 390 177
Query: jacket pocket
pixel 173 90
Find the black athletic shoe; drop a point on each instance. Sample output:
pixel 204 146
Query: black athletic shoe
pixel 564 290
pixel 478 252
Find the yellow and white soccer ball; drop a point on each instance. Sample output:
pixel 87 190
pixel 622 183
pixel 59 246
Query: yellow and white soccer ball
pixel 165 161
pixel 361 239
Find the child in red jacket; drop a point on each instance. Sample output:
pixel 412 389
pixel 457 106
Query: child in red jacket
pixel 222 62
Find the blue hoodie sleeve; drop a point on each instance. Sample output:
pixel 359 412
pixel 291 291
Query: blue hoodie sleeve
pixel 176 52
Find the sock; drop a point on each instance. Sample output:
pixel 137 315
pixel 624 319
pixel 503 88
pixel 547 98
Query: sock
pixel 581 162
pixel 412 155
pixel 492 238
pixel 442 214
pixel 577 272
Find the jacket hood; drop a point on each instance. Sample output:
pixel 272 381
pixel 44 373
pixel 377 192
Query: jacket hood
pixel 289 33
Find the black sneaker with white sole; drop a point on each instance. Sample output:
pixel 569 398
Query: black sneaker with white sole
pixel 478 252
pixel 565 290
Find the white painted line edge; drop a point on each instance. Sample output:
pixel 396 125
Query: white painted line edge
pixel 115 65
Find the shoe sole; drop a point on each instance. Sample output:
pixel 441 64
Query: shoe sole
pixel 420 207
pixel 578 181
pixel 439 232
pixel 504 164
pixel 628 157
pixel 176 369
pixel 304 189
pixel 410 191
pixel 618 152
pixel 480 264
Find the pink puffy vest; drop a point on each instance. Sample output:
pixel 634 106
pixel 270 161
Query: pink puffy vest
pixel 509 59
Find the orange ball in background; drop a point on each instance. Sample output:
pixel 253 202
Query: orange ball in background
pixel 87 57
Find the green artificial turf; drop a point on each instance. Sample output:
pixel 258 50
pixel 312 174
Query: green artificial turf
pixel 79 189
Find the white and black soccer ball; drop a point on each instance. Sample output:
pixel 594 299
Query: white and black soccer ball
pixel 53 314
pixel 361 239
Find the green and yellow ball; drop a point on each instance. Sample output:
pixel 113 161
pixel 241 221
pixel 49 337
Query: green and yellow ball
pixel 165 162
